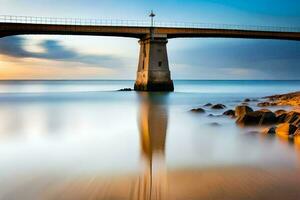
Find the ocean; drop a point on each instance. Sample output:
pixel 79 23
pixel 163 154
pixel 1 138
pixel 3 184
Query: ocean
pixel 86 140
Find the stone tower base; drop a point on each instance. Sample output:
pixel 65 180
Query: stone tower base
pixel 153 70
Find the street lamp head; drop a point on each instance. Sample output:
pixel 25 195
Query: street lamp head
pixel 152 14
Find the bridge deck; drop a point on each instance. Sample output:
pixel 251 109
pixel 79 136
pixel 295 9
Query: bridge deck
pixel 9 29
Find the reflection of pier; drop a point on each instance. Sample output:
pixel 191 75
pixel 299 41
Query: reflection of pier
pixel 153 121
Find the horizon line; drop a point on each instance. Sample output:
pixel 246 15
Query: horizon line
pixel 134 80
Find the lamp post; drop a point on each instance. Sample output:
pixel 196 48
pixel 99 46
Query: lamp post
pixel 152 15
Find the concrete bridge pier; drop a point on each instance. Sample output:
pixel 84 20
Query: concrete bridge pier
pixel 153 69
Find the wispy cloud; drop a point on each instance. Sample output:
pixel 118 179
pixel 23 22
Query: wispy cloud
pixel 54 50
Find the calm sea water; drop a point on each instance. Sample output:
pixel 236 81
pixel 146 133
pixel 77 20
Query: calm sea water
pixel 85 140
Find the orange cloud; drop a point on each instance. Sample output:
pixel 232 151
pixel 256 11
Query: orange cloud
pixel 32 68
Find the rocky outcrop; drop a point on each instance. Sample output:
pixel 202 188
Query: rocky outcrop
pixel 289 99
pixel 288 124
pixel 284 123
pixel 208 104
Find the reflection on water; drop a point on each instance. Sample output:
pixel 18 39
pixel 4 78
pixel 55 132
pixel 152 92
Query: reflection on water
pixel 66 145
pixel 153 120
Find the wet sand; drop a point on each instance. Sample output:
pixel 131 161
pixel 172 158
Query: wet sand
pixel 213 183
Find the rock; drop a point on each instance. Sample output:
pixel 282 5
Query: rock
pixel 279 112
pixel 271 131
pixel 215 124
pixel 247 100
pixel 297 132
pixel 208 104
pixel 290 117
pixel 245 104
pixel 264 110
pixel 198 110
pixel 253 132
pixel 282 118
pixel 212 115
pixel 242 110
pixel 218 106
pixel 125 90
pixel 291 99
pixel 293 118
pixel 297 123
pixel 229 113
pixel 264 104
pixel 260 117
pixel 286 129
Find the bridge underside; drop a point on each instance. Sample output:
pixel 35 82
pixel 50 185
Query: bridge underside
pixel 153 72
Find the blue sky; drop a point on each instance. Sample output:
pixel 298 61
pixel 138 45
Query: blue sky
pixel 38 57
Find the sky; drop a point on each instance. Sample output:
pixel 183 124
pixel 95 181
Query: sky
pixel 90 57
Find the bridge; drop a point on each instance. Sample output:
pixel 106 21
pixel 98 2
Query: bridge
pixel 153 72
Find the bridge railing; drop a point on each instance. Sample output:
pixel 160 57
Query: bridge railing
pixel 137 23
pixel 227 26
pixel 71 21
